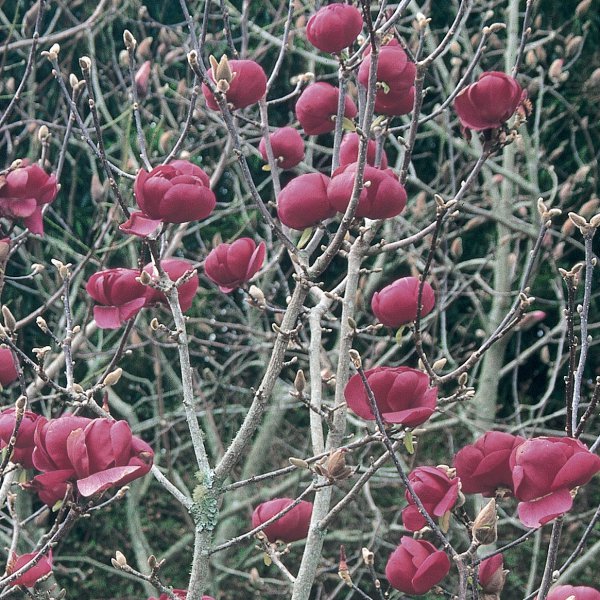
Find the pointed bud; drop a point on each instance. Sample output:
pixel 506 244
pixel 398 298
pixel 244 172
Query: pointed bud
pixel 485 530
pixel 85 63
pixel 10 323
pixel 300 381
pixel 129 41
pixel 120 558
pixel 355 358
pixel 113 377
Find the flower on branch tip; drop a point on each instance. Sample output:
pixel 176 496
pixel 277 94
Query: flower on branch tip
pixel 317 107
pixel 416 566
pixel 396 304
pixel 30 577
pixel 291 527
pixel 287 145
pixel 231 265
pixel 334 27
pixel 246 83
pixel 24 191
pixel 573 592
pixel 303 201
pixel 92 454
pixel 492 577
pixel 24 445
pixel 349 151
pixel 402 395
pixel 489 102
pixel 545 471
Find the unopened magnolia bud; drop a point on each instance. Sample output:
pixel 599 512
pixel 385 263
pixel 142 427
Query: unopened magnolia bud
pixel 113 377
pixel 128 39
pixel 152 562
pixel 120 558
pixel 439 364
pixel 462 380
pixel 145 278
pixel 485 530
pixel 154 324
pixel 10 322
pixel 78 389
pixel 355 358
pixel 299 463
pixel 40 353
pixel 368 557
pixel 43 133
pixel 300 381
pixel 41 323
pixel 257 295
pixel 73 81
pixel 85 63
pixel 192 58
pixel 77 329
pixel 21 403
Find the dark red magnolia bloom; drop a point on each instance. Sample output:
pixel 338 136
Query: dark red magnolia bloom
pixel 396 78
pixel 35 573
pixel 385 196
pixel 247 87
pixel 230 265
pixel 180 594
pixel 402 395
pixel 287 145
pixel 8 370
pixel 119 296
pixel 492 576
pixel 174 268
pixel 25 445
pixel 23 192
pixel 94 454
pixel 291 527
pixel 349 151
pixel 574 592
pixel 334 27
pixel 174 193
pixel 416 566
pixel 483 467
pixel 489 102
pixel 141 79
pixel 544 471
pixel 317 106
pixel 396 304
pixel 303 201
pixel 437 492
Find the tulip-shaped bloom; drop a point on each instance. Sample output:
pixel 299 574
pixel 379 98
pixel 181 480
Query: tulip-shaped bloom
pixel 23 192
pixel 24 445
pixel 334 27
pixel 416 566
pixel 483 467
pixel 8 369
pixel 177 192
pixel 287 145
pixel 141 79
pixel 231 265
pixel 247 87
pixel 119 296
pixel 396 304
pixel 573 592
pixel 349 151
pixel 544 471
pixel 291 527
pixel 492 577
pixel 180 594
pixel 489 102
pixel 402 395
pixel 317 107
pixel 437 492
pixel 382 196
pixel 174 268
pixel 303 201
pixel 30 577
pixel 94 454
pixel 395 78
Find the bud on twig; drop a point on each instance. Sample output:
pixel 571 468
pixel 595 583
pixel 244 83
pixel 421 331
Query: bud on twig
pixel 485 529
pixel 368 557
pixel 129 41
pixel 10 323
pixel 300 381
pixel 355 358
pixel 113 377
pixel 119 559
pixel 85 63
pixel 343 571
pixel 43 133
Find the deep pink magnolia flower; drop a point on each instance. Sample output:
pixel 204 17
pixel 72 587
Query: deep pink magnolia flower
pixel 180 594
pixel 385 196
pixel 317 106
pixel 402 395
pixel 35 573
pixel 174 193
pixel 94 454
pixel 334 27
pixel 25 445
pixel 489 102
pixel 396 78
pixel 287 145
pixel 544 471
pixel 303 201
pixel 396 304
pixel 23 192
pixel 291 527
pixel 349 151
pixel 174 268
pixel 247 87
pixel 231 265
pixel 483 467
pixel 576 592
pixel 416 566
pixel 492 576
pixel 437 492
pixel 119 296
pixel 8 370
pixel 141 79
